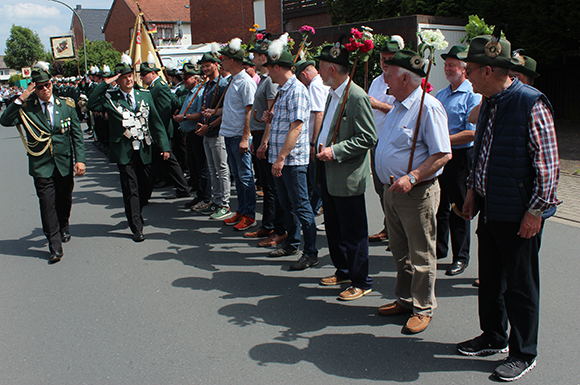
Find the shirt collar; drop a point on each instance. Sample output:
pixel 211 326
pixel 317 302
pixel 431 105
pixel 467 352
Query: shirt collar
pixel 132 93
pixel 340 90
pixel 463 87
pixel 288 83
pixel 410 100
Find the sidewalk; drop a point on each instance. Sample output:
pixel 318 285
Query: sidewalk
pixel 569 193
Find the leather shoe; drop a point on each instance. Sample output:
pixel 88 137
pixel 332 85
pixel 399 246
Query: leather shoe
pixel 456 268
pixel 138 236
pixel 261 233
pixel 353 293
pixel 179 194
pixel 55 257
pixel 394 308
pixel 416 324
pixel 333 280
pixel 382 236
pixel 272 240
pixel 65 236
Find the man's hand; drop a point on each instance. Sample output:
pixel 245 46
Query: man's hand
pixel 402 185
pixel 374 102
pixel 469 204
pixel 79 169
pixel 179 118
pixel 28 91
pixel 267 116
pixel 262 150
pixel 277 168
pixel 244 145
pixel 530 226
pixel 325 155
pixel 208 113
pixel 202 129
pixel 165 155
pixel 113 79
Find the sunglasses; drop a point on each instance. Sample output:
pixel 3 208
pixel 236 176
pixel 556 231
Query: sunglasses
pixel 42 86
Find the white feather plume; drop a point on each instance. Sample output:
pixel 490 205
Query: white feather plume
pixel 106 68
pixel 399 41
pixel 126 59
pixel 170 65
pixel 42 65
pixel 275 48
pixel 284 38
pixel 150 58
pixel 214 48
pixel 236 44
pixel 193 60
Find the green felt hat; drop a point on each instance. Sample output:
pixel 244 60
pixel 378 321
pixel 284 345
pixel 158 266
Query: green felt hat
pixel 453 52
pixel 208 58
pixel 489 51
pixel 409 60
pixel 390 46
pixel 334 53
pixel 285 59
pixel 190 69
pixel 526 65
pixel 261 47
pixel 122 69
pixel 247 61
pixel 301 66
pixel 39 75
pixel 234 50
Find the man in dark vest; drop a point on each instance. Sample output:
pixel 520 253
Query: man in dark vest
pixel 54 139
pixel 513 186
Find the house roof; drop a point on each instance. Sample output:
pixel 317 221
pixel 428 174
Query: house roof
pixel 2 64
pixel 93 21
pixel 160 11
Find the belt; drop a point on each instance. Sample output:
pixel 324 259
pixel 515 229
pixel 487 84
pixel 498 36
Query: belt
pixel 257 132
pixel 426 182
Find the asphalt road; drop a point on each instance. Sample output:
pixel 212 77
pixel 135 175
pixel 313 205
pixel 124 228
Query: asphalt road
pixel 197 303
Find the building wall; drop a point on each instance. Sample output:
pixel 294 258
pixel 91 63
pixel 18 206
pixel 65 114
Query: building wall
pixel 118 29
pixel 315 21
pixel 222 20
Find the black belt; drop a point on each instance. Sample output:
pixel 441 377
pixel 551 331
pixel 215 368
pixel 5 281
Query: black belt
pixel 425 182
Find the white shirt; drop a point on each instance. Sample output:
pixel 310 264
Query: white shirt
pixel 50 105
pixel 326 130
pixel 378 90
pixel 318 93
pixel 132 93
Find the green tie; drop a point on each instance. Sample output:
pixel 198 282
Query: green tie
pixel 130 100
pixel 47 113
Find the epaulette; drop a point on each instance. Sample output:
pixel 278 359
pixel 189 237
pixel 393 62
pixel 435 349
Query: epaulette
pixel 144 90
pixel 163 83
pixel 69 101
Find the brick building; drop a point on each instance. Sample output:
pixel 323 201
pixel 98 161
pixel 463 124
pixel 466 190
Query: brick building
pixel 171 18
pixel 93 21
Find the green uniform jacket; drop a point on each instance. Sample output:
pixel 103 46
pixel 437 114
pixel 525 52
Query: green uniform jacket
pixel 66 136
pixel 121 147
pixel 162 97
pixel 349 173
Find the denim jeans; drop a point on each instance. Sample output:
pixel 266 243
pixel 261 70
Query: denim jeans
pixel 292 188
pixel 219 172
pixel 241 168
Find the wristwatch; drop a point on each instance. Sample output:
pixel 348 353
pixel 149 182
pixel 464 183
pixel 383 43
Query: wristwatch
pixel 412 179
pixel 536 213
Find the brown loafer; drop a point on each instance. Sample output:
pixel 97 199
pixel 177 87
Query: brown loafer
pixel 353 293
pixel 382 236
pixel 416 324
pixel 333 280
pixel 261 233
pixel 394 308
pixel 272 240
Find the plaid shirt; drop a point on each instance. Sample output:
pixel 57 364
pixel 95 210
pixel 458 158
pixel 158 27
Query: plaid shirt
pixel 293 104
pixel 543 149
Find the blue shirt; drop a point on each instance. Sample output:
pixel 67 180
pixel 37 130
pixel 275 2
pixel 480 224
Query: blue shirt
pixel 396 139
pixel 191 125
pixel 293 104
pixel 458 105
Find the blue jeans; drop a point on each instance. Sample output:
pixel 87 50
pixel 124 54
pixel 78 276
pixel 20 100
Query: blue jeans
pixel 292 188
pixel 241 168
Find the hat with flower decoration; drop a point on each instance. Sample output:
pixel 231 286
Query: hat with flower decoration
pixel 149 65
pixel 409 60
pixel 335 53
pixel 262 45
pixel 125 66
pixel 394 44
pixel 40 72
pixel 526 65
pixel 278 54
pixel 488 50
pixel 234 49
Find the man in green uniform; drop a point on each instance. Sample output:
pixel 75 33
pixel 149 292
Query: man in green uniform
pixel 54 139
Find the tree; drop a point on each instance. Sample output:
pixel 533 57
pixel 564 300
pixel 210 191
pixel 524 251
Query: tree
pixel 23 48
pixel 99 53
pixel 351 11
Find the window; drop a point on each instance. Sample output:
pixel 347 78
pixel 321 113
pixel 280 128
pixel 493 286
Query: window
pixel 260 14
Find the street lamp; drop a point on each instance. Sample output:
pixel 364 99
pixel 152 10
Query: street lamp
pixel 82 28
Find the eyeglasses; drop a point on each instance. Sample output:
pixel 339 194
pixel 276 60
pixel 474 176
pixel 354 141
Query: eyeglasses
pixel 468 70
pixel 41 86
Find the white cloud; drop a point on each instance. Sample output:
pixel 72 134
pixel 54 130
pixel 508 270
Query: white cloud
pixel 26 12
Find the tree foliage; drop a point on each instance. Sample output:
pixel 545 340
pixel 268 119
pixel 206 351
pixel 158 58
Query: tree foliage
pixel 23 48
pixel 99 53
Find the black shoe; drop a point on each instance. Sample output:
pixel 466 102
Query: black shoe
pixel 513 368
pixel 65 236
pixel 55 257
pixel 138 236
pixel 179 194
pixel 456 268
pixel 283 251
pixel 479 347
pixel 304 263
pixel 193 202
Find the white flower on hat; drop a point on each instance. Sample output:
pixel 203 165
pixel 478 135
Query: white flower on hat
pixel 235 44
pixel 275 49
pixel 399 41
pixel 42 65
pixel 126 59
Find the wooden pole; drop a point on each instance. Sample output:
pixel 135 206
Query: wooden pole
pixel 409 167
pixel 344 100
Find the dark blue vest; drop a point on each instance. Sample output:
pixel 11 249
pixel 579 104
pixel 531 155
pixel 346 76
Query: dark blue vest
pixel 510 174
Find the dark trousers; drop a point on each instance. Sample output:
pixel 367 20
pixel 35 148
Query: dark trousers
pixel 179 148
pixel 273 217
pixel 55 200
pixel 509 288
pixel 170 168
pixel 453 182
pixel 345 219
pixel 137 187
pixel 199 173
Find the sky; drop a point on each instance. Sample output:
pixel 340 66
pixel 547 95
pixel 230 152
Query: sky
pixel 44 17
